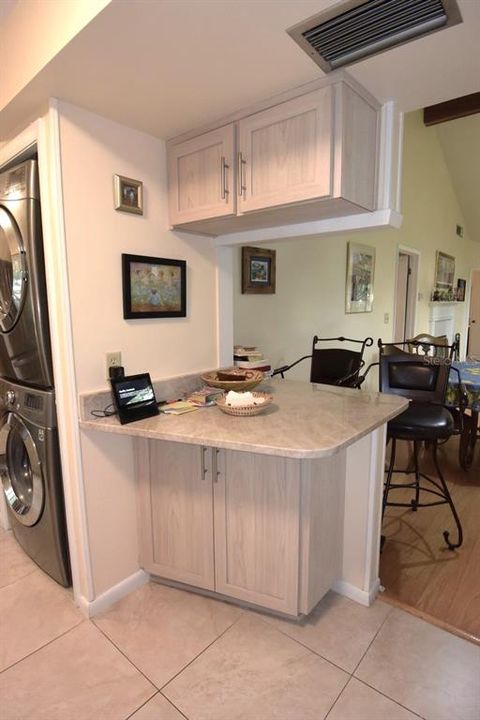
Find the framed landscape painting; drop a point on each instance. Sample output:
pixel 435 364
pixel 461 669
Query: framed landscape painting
pixel 153 287
pixel 360 275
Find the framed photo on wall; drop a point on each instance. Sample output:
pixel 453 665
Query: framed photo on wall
pixel 461 287
pixel 258 270
pixel 444 271
pixel 360 276
pixel 153 287
pixel 128 194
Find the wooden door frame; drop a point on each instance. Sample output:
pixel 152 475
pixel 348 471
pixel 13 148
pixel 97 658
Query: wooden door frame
pixel 412 294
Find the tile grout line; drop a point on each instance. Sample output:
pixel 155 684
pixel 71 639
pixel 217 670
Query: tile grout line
pixel 142 705
pixel 392 609
pixel 159 689
pixel 65 632
pixel 124 655
pixel 18 579
pixel 380 692
pixel 173 704
pixel 339 696
pixel 374 638
pixel 199 654
pixel 315 652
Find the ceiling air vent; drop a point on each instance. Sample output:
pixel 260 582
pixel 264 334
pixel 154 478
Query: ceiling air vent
pixel 354 30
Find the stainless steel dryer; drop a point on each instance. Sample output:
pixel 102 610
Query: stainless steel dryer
pixel 25 353
pixel 31 476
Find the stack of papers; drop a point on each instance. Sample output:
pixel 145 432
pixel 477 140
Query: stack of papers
pixel 178 407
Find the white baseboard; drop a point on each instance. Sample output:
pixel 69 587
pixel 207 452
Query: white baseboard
pixel 353 592
pixel 113 594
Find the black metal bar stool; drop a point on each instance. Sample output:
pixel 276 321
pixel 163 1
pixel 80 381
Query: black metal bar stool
pixel 424 381
pixel 333 366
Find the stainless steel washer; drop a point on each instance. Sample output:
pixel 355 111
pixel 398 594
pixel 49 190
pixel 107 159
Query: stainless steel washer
pixel 25 353
pixel 31 476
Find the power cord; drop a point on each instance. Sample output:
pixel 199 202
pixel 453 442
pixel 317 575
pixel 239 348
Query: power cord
pixel 106 412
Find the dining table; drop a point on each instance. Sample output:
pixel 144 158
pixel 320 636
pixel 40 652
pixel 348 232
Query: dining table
pixel 469 375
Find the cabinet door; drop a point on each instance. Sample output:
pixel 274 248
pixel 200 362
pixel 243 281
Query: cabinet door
pixel 286 152
pixel 201 177
pixel 257 528
pixel 176 513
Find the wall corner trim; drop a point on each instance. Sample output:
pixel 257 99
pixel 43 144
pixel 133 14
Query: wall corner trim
pixel 113 594
pixel 364 597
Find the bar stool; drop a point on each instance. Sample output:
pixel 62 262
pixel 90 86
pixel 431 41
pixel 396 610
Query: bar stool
pixel 424 381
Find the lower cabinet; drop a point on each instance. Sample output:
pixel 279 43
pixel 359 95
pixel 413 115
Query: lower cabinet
pixel 238 523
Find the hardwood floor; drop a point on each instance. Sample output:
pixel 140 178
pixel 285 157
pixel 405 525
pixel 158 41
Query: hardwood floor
pixel 417 570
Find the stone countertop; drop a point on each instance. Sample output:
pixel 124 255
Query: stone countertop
pixel 304 421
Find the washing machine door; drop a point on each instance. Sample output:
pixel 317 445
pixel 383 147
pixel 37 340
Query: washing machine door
pixel 21 471
pixel 13 272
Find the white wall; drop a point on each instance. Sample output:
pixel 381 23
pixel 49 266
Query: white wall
pixel 33 33
pixel 92 150
pixel 310 296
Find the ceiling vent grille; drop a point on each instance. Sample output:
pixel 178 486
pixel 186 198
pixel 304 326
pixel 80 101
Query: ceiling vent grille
pixel 354 30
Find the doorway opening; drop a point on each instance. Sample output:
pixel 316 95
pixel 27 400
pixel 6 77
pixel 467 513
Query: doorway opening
pixel 406 287
pixel 473 339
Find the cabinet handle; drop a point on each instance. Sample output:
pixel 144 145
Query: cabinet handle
pixel 241 177
pixel 224 188
pixel 204 466
pixel 217 471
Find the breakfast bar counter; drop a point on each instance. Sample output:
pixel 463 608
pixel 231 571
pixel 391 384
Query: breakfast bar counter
pixel 304 421
pixel 272 510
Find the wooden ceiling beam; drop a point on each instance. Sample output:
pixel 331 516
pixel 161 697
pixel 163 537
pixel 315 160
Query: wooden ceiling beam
pixel 452 109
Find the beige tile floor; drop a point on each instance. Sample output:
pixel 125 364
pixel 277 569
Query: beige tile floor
pixel 165 654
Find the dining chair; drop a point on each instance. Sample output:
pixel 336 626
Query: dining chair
pixel 333 365
pixel 431 345
pixel 424 382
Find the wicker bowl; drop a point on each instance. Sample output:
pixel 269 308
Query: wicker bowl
pixel 252 379
pixel 247 410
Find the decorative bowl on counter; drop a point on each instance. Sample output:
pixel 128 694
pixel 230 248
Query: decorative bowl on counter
pixel 246 410
pixel 233 378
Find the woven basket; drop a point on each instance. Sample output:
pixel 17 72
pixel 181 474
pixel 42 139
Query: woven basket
pixel 247 410
pixel 253 378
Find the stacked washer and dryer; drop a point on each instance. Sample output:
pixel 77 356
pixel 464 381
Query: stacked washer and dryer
pixel 30 466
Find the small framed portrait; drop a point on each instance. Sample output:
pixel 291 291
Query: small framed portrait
pixel 461 287
pixel 128 194
pixel 360 275
pixel 258 270
pixel 153 287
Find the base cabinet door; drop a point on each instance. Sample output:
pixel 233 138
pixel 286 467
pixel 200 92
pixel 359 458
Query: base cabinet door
pixel 256 501
pixel 175 511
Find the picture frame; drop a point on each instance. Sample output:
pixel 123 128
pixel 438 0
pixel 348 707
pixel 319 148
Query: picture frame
pixel 461 288
pixel 128 194
pixel 258 270
pixel 444 272
pixel 360 278
pixel 153 287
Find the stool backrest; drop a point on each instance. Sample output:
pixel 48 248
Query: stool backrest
pixel 337 366
pixel 432 345
pixel 422 379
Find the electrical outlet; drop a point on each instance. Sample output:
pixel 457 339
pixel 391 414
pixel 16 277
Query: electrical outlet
pixel 113 359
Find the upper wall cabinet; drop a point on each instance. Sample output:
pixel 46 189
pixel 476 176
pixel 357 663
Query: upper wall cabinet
pixel 200 177
pixel 312 156
pixel 284 153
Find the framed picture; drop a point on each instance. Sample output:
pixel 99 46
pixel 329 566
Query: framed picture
pixel 461 287
pixel 128 194
pixel 444 271
pixel 258 270
pixel 153 287
pixel 360 274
